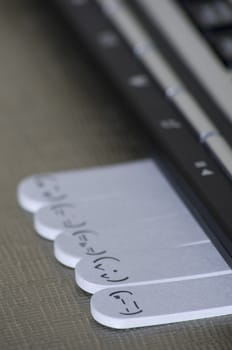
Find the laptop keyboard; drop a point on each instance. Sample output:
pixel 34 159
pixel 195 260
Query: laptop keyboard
pixel 192 47
pixel 214 20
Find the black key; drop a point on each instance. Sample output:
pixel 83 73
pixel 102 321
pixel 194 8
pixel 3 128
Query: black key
pixel 209 14
pixel 222 43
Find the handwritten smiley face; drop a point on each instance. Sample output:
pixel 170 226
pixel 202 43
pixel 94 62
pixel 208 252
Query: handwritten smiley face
pixel 127 302
pixel 109 268
pixel 87 240
pixel 49 188
pixel 67 214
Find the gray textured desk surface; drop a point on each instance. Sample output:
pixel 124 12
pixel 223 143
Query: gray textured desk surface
pixel 56 114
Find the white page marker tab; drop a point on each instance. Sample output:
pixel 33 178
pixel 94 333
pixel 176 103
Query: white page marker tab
pixel 180 230
pixel 71 246
pixel 50 221
pixel 149 266
pixel 141 178
pixel 150 305
pixel 105 213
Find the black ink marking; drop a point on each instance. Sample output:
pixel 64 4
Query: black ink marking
pixel 106 257
pixel 131 313
pixel 136 305
pixel 81 232
pixel 116 281
pixel 120 291
pixel 129 305
pixel 98 267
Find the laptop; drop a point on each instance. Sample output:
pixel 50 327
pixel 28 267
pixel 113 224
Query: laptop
pixel 171 62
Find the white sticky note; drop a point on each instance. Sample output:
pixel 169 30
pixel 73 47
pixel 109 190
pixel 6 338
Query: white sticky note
pixel 156 304
pixel 141 178
pixel 106 213
pixel 143 266
pixel 96 239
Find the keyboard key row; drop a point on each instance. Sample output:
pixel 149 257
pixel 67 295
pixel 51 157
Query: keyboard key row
pixel 214 20
pixel 192 49
pixel 130 28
